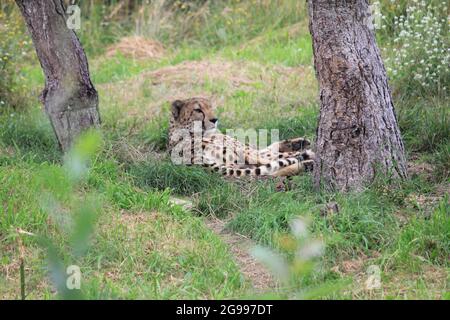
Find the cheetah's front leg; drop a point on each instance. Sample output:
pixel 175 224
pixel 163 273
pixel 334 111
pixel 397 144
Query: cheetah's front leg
pixel 295 169
pixel 293 145
pixel 286 146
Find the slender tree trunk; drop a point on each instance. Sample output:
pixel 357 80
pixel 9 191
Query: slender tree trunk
pixel 357 133
pixel 70 99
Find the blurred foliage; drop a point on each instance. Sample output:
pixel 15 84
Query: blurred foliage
pixel 296 261
pixel 15 48
pixel 79 224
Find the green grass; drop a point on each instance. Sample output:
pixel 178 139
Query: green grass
pixel 29 134
pixel 425 239
pixel 425 124
pixel 275 48
pixel 167 249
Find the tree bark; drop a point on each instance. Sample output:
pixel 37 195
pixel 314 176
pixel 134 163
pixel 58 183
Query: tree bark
pixel 357 133
pixel 69 97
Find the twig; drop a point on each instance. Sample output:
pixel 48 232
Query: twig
pixel 22 269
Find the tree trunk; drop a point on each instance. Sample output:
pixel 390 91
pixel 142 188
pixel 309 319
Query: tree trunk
pixel 70 99
pixel 357 133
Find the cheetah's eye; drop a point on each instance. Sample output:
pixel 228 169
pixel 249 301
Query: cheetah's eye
pixel 198 110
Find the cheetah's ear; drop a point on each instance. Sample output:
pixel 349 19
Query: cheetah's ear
pixel 176 108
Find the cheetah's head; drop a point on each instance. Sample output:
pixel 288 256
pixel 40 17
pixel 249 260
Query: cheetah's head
pixel 186 112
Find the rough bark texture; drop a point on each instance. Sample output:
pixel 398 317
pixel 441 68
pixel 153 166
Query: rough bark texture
pixel 357 131
pixel 70 99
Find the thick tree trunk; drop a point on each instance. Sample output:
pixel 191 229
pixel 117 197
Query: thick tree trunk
pixel 357 133
pixel 70 99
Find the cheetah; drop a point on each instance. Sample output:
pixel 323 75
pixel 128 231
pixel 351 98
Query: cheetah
pixel 194 137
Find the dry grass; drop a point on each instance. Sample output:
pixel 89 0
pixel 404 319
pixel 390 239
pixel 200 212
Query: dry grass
pixel 416 169
pixel 146 94
pixel 428 283
pixel 236 73
pixel 36 285
pixel 137 47
pixel 7 151
pixel 430 279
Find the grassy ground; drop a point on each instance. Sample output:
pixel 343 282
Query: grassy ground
pixel 142 246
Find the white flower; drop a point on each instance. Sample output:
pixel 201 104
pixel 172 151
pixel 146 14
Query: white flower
pixel 403 33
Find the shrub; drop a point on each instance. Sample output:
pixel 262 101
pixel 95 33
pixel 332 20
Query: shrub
pixel 15 46
pixel 419 64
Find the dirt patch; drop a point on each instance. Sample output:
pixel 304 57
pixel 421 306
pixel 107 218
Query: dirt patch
pixel 426 202
pixel 137 48
pixel 239 246
pixel 355 266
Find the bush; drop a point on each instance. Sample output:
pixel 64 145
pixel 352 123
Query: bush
pixel 419 64
pixel 15 47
